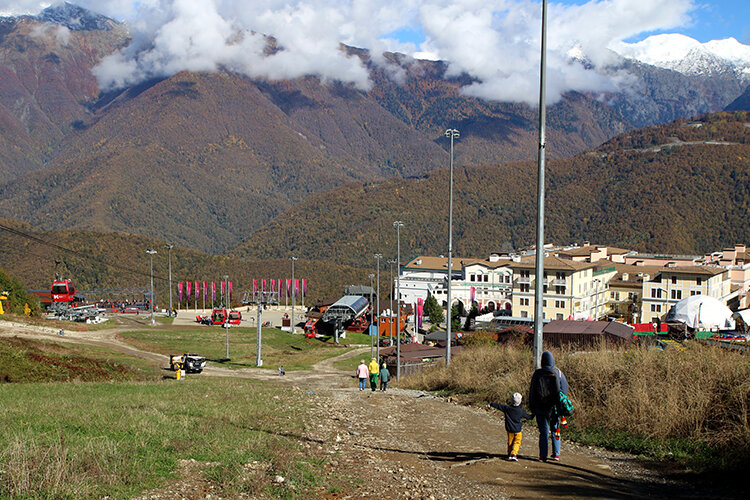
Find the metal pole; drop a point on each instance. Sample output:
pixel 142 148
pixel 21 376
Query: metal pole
pixel 378 256
pixel 538 288
pixel 398 225
pixel 372 313
pixel 226 318
pixel 391 262
pixel 151 253
pixel 293 294
pixel 169 250
pixel 258 361
pixel 453 134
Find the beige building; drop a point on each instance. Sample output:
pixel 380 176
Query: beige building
pixel 737 261
pixel 571 289
pixel 671 284
pixel 594 253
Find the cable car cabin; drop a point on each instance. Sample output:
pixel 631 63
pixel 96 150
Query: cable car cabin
pixel 218 316
pixel 63 291
pixel 235 317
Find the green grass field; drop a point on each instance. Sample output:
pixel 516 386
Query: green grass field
pixel 25 360
pixel 91 440
pixel 294 352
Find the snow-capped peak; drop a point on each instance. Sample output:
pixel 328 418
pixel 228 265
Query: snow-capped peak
pixel 687 55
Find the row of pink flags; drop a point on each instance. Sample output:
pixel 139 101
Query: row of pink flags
pixel 193 289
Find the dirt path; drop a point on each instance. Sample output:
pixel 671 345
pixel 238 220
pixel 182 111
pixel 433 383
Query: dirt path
pixel 409 444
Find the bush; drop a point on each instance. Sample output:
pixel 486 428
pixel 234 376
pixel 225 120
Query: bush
pixel 17 296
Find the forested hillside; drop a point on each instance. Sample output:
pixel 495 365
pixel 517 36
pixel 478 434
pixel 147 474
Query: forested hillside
pixel 682 188
pixel 113 261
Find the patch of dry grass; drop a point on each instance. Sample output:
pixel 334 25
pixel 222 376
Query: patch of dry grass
pixel 697 398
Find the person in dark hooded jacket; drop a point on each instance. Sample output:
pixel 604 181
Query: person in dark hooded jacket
pixel 544 395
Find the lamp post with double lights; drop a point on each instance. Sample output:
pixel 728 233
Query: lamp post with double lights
pixel 452 134
pixel 294 299
pixel 169 248
pixel 372 313
pixel 398 225
pixel 151 252
pixel 378 257
pixel 391 262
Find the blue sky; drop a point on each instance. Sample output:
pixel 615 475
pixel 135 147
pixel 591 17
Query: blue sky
pixel 711 20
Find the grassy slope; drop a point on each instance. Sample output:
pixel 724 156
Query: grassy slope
pixel 294 352
pixel 686 406
pixel 92 440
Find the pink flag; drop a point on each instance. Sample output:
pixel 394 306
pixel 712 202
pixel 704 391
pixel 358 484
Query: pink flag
pixel 279 282
pixel 230 291
pixel 288 288
pixel 273 285
pixel 264 285
pixel 222 290
pixel 205 290
pixel 472 294
pixel 197 290
pixel 304 287
pixel 420 306
pixel 179 291
pixel 213 292
pixel 189 286
pixel 255 286
pixel 296 286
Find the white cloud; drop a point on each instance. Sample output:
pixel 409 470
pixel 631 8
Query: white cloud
pixel 495 41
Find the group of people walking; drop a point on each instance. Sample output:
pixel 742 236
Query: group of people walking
pixel 373 372
pixel 547 384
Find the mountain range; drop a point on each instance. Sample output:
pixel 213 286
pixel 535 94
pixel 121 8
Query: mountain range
pixel 207 160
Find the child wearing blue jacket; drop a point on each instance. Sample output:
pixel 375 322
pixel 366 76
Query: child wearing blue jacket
pixel 513 415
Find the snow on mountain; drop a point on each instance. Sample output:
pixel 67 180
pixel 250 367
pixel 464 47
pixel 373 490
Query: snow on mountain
pixel 689 56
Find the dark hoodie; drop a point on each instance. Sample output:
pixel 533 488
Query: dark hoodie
pixel 548 381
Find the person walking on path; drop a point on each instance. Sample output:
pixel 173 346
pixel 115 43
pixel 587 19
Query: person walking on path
pixel 373 374
pixel 362 374
pixel 544 396
pixel 385 376
pixel 513 425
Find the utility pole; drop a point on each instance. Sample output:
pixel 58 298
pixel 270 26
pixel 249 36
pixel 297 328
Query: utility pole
pixel 378 257
pixel 453 134
pixel 398 225
pixel 169 248
pixel 372 314
pixel 294 299
pixel 258 361
pixel 151 253
pixel 538 288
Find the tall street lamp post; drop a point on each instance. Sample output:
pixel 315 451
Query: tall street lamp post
pixel 226 318
pixel 378 257
pixel 151 253
pixel 391 262
pixel 452 134
pixel 398 225
pixel 538 289
pixel 169 248
pixel 294 299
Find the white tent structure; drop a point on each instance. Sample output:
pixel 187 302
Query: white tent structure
pixel 702 313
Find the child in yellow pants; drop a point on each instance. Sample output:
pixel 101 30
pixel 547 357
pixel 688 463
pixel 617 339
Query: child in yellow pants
pixel 513 415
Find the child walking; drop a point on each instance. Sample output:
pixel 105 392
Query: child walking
pixel 513 415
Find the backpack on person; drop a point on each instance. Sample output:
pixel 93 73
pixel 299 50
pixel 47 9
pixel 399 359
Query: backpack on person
pixel 547 389
pixel 565 407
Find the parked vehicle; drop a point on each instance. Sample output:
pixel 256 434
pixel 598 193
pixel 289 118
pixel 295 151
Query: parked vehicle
pixel 235 317
pixel 218 316
pixel 191 363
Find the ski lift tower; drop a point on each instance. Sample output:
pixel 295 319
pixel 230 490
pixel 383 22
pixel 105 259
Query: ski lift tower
pixel 259 298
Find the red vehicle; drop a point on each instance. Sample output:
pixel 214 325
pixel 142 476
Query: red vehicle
pixel 218 316
pixel 63 291
pixel 235 317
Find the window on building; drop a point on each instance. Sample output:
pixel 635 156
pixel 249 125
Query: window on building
pixel 524 287
pixel 560 290
pixel 616 296
pixel 698 281
pixel 560 304
pixel 676 294
pixel 674 280
pixel 695 292
pixel 525 273
pixel 471 278
pixel 524 314
pixel 544 303
pixel 524 302
pixel 557 316
pixel 656 293
pixel 655 308
pixel 560 276
pixel 486 280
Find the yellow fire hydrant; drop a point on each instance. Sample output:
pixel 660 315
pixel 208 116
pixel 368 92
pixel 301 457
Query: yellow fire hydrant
pixel 180 371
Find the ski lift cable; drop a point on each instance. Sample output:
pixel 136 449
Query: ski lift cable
pixel 77 253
